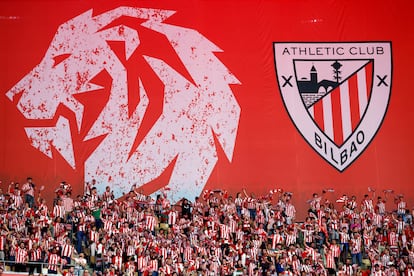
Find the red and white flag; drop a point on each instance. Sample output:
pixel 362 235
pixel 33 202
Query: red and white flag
pixel 342 199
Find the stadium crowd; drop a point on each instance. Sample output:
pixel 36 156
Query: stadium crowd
pixel 216 234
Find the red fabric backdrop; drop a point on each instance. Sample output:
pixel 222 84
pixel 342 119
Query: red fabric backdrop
pixel 269 152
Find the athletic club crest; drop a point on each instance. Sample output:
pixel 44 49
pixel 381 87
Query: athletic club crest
pixel 336 94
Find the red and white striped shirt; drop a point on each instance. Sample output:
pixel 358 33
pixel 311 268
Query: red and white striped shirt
pixel 53 261
pixel 368 205
pixel 344 237
pixel 260 218
pixel 367 240
pixel 238 201
pixel 401 206
pixel 141 263
pixel 153 265
pixel 392 239
pixel 232 225
pixel 409 272
pixel 378 273
pixel 377 219
pixel 411 256
pixel 291 239
pixel 330 260
pixel 239 235
pixel 27 188
pixel 290 210
pixel 43 209
pixel 251 203
pixel 277 239
pixel 352 204
pixel 81 227
pixel 59 227
pixel 179 267
pixel 172 217
pixel 349 270
pixel 333 224
pixel 107 224
pixel 224 231
pixel 307 269
pixel 336 250
pixel 381 208
pixel 400 226
pixel 117 262
pixel 167 269
pixel 308 235
pixel 68 204
pixel 130 250
pixel 296 266
pixel 94 236
pixel 188 253
pixel 130 268
pixel 67 250
pixel 36 254
pixel 18 200
pixel 2 242
pixel 163 253
pixel 21 255
pixel 59 211
pixel 31 242
pixel 356 245
pixel 150 223
pixel 312 253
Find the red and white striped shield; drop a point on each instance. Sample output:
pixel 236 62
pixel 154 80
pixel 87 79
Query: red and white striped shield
pixel 336 94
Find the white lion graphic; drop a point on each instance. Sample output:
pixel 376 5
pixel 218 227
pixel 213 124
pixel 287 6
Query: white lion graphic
pixel 194 112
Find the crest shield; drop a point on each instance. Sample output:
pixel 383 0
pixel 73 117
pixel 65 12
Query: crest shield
pixel 336 94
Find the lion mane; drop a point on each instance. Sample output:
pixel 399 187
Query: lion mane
pixel 198 112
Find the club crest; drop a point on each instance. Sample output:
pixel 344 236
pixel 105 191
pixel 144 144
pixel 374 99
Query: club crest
pixel 336 94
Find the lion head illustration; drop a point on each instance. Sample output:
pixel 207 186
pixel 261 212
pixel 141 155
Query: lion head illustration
pixel 198 112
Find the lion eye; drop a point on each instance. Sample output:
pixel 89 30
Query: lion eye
pixel 58 59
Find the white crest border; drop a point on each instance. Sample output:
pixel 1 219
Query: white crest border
pixel 375 112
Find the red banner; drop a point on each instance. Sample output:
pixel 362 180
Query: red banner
pixel 197 95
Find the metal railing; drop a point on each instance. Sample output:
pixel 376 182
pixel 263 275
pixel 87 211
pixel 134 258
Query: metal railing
pixel 39 267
